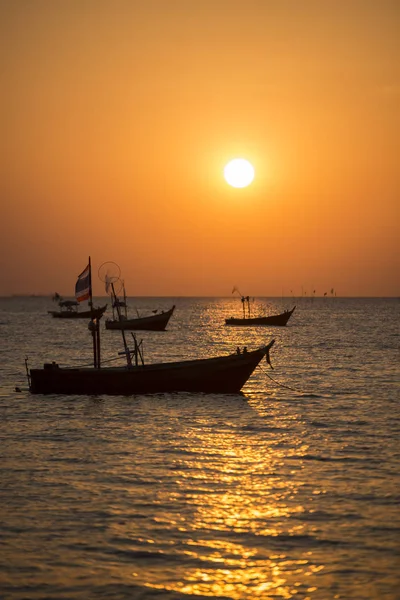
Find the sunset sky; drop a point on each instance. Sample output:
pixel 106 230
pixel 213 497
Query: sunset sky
pixel 118 118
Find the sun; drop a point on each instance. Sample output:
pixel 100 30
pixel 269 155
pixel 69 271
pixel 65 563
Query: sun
pixel 239 173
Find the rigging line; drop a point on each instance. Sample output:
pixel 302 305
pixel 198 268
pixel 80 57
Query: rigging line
pixel 107 360
pixel 281 384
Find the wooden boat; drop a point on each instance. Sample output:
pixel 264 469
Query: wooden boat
pixel 272 320
pixel 248 320
pixel 155 322
pixel 69 310
pixel 218 375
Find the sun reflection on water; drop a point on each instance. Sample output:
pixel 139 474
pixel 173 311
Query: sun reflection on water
pixel 238 510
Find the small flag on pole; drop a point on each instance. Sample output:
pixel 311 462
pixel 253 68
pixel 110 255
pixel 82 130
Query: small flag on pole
pixel 82 287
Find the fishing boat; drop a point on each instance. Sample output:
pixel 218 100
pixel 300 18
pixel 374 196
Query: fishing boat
pixel 273 320
pixel 157 321
pixel 248 320
pixel 69 310
pixel 220 374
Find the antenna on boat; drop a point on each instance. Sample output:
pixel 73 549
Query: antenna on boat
pixel 117 306
pixel 109 272
pixel 245 301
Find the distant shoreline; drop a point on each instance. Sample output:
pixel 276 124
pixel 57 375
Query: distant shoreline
pixel 292 298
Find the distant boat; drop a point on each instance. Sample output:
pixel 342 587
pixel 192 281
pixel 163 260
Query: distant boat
pixel 69 310
pixel 218 375
pixel 248 320
pixel 273 320
pixel 154 322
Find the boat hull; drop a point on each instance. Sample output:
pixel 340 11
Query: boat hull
pixel 220 375
pixel 156 322
pixel 96 313
pixel 273 320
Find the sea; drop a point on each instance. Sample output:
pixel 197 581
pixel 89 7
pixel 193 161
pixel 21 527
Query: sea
pixel 289 490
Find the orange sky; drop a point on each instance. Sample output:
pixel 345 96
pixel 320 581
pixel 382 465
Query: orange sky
pixel 118 117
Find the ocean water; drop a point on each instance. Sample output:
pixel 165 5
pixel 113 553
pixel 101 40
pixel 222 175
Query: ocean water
pixel 287 491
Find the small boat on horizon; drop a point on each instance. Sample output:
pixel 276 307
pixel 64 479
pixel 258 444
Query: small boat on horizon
pixel 273 320
pixel 69 310
pixel 279 320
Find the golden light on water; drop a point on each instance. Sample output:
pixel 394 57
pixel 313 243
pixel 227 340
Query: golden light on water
pixel 229 515
pixel 232 489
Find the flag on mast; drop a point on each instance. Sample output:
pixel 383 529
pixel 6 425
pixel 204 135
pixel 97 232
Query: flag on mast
pixel 83 285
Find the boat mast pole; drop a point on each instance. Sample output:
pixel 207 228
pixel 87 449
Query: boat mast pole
pixel 98 340
pixel 94 329
pixel 127 353
pixel 126 308
pixel 113 307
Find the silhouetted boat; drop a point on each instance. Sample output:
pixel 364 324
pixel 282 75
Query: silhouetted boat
pixel 83 292
pixel 248 320
pixel 219 375
pixel 155 322
pixel 69 310
pixel 273 320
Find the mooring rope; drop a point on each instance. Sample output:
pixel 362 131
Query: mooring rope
pixel 288 387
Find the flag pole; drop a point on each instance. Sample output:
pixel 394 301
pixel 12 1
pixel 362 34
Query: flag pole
pixel 98 341
pixel 90 286
pixel 95 328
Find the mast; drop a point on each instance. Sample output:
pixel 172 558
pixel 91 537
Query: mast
pixel 113 306
pixel 95 328
pixel 127 352
pixel 93 324
pixel 126 308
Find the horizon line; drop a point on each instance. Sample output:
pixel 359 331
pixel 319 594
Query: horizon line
pixel 293 297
